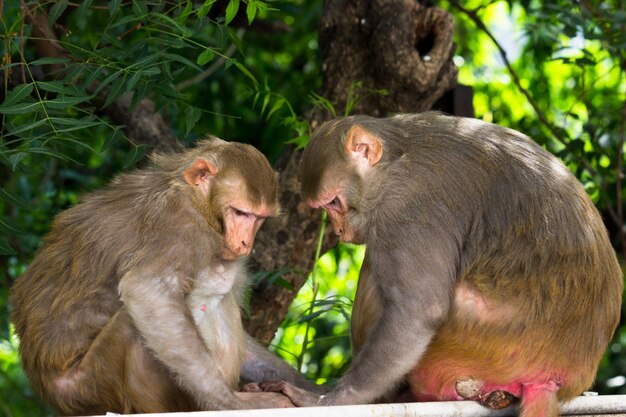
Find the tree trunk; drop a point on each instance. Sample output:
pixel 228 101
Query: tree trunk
pixel 378 57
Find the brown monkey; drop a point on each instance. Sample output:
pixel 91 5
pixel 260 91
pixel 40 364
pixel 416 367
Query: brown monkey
pixel 133 303
pixel 488 269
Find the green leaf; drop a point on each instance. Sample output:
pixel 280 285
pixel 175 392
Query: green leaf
pixel 140 93
pixel 27 127
pixel 231 11
pixel 53 154
pixel 50 60
pixel 74 123
pixel 275 277
pixel 5 248
pixel 139 8
pixel 186 12
pixel 4 152
pixel 266 101
pixel 55 87
pixel 20 108
pixel 277 105
pixel 310 317
pixel 175 43
pixel 153 70
pixel 8 228
pixel 251 11
pixel 232 35
pixel 124 20
pixel 180 28
pixel 106 82
pixel 246 72
pixel 65 101
pixel 14 199
pixel 77 142
pixel 115 91
pixel 94 75
pixel 56 11
pixel 181 59
pixel 82 9
pixel 17 94
pixel 205 57
pixel 111 139
pixel 205 8
pixel 114 6
pixel 16 158
pixel 192 115
pixel 135 155
pixel 134 80
pixel 147 60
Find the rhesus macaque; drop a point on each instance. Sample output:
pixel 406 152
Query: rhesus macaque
pixel 133 303
pixel 488 274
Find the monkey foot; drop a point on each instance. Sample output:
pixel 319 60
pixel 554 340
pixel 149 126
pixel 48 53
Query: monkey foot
pixel 497 400
pixel 472 389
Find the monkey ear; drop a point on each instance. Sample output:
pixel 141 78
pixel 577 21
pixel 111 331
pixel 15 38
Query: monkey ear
pixel 200 174
pixel 363 146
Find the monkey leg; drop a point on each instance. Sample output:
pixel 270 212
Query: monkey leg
pixel 540 400
pixel 461 365
pixel 118 374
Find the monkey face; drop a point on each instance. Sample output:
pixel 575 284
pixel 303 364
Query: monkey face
pixel 241 224
pixel 332 177
pixel 339 212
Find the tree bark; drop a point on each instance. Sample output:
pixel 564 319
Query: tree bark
pixel 378 57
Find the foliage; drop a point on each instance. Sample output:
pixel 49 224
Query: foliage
pixel 323 309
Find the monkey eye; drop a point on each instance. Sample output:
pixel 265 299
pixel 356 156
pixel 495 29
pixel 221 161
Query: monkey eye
pixel 335 203
pixel 240 212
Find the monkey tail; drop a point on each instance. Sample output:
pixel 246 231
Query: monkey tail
pixel 540 400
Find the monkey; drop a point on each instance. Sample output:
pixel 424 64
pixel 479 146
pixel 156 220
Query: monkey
pixel 132 305
pixel 488 272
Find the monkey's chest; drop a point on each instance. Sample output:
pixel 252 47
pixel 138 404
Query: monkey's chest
pixel 215 311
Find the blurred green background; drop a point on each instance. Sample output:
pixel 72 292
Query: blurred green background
pixel 562 83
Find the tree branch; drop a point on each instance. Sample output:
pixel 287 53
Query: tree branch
pixel 542 117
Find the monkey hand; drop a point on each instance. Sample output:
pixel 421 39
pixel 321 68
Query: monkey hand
pixel 251 387
pixel 298 396
pixel 253 400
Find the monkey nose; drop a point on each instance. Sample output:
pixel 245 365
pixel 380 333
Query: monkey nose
pixel 244 248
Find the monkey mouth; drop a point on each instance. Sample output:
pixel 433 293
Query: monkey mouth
pixel 228 254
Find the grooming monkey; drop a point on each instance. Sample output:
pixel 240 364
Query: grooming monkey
pixel 488 273
pixel 133 303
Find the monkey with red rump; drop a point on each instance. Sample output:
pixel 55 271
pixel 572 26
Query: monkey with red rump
pixel 488 273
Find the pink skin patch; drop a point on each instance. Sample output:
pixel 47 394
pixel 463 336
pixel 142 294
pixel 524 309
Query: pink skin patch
pixel 203 308
pixel 528 391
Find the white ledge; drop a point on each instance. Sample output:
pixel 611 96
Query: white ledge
pixel 584 405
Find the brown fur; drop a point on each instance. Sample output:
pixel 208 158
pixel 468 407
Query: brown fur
pixel 128 307
pixel 485 259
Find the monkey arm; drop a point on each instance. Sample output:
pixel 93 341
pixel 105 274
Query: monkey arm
pixel 415 296
pixel 157 307
pixel 261 365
